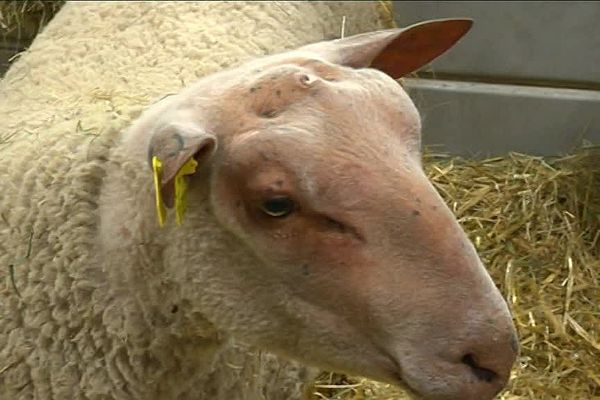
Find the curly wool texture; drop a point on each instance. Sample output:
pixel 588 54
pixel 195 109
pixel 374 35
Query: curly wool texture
pixel 63 105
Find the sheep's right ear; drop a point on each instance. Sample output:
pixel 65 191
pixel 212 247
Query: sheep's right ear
pixel 396 52
pixel 174 144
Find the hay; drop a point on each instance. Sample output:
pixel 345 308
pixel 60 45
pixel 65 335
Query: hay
pixel 26 18
pixel 536 225
pixel 20 22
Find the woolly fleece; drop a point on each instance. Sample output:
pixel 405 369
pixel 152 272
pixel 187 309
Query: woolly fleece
pixel 62 106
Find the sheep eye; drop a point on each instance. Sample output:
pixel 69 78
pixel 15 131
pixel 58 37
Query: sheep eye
pixel 278 207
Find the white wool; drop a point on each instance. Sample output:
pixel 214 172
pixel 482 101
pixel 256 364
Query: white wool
pixel 62 105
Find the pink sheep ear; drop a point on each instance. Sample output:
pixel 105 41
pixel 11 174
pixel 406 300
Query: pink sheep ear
pixel 396 52
pixel 174 145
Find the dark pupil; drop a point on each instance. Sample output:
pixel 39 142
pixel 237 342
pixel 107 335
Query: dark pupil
pixel 278 207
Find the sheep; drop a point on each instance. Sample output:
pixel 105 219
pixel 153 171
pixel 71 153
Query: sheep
pixel 277 203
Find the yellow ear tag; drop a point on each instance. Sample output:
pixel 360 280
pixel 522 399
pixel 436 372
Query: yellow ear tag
pixel 161 211
pixel 181 185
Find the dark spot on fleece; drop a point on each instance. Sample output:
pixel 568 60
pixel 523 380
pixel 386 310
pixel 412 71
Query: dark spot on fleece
pixel 418 200
pixel 254 89
pixel 416 213
pixel 125 232
pixel 278 93
pixel 434 208
pixel 306 270
pixel 174 309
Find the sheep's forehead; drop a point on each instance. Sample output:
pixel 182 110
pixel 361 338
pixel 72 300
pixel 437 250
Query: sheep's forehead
pixel 364 103
pixel 338 82
pixel 352 124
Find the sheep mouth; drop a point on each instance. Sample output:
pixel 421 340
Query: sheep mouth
pixel 402 383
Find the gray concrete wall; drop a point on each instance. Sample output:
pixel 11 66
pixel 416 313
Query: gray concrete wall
pixel 512 48
pixel 480 120
pixel 552 41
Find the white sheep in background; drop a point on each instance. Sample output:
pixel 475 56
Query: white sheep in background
pixel 311 231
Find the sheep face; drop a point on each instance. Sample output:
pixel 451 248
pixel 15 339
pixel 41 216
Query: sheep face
pixel 315 171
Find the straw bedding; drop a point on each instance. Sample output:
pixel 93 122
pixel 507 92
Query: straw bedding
pixel 26 17
pixel 20 21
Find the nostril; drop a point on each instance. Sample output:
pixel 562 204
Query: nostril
pixel 481 373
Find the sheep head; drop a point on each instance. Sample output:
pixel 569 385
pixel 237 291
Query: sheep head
pixel 335 248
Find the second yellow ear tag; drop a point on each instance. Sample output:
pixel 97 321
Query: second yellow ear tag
pixel 161 211
pixel 181 185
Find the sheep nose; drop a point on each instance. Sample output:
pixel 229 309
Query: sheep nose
pixel 488 362
pixel 481 373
